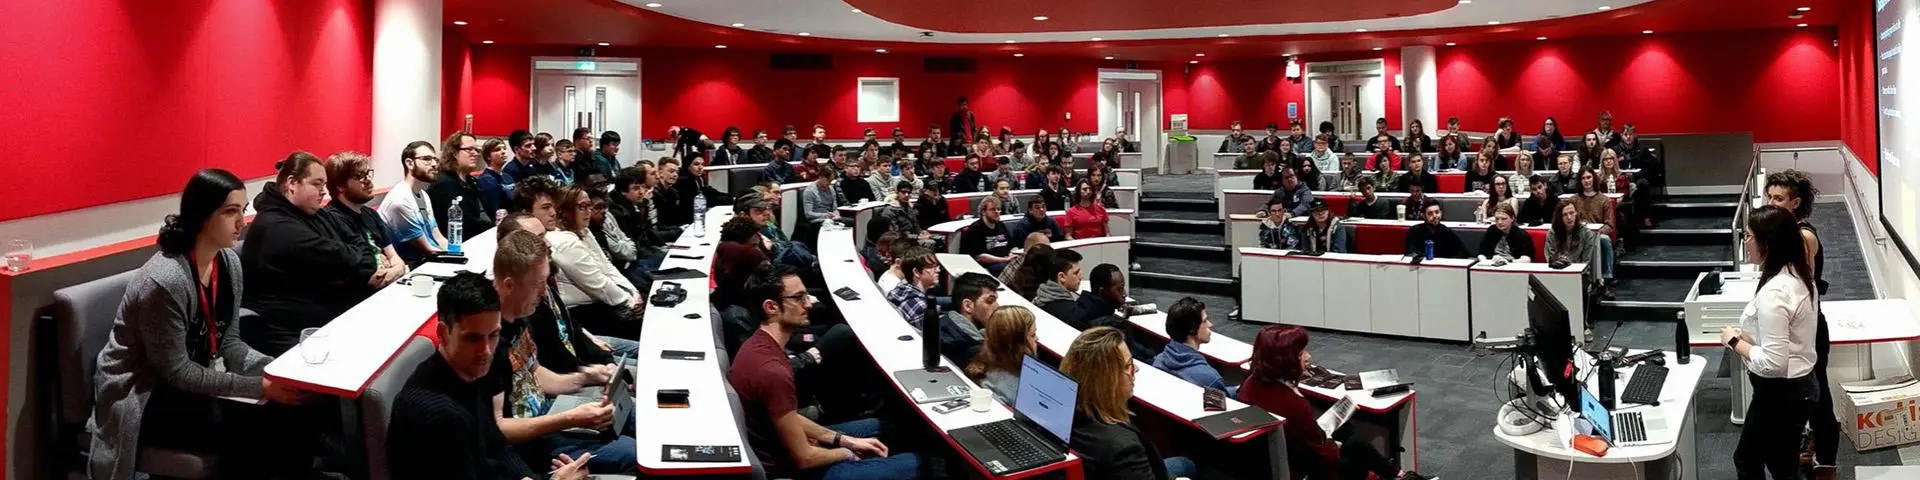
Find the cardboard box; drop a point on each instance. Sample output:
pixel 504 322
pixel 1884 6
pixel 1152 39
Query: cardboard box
pixel 1878 415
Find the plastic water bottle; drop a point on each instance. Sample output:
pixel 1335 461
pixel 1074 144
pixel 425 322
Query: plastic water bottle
pixel 699 215
pixel 453 226
pixel 1429 249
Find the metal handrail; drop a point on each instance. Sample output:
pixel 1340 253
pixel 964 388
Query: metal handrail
pixel 1744 206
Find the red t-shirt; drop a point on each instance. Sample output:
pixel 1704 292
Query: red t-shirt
pixel 763 377
pixel 1086 222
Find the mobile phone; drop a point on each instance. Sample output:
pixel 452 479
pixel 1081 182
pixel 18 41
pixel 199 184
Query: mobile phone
pixel 951 405
pixel 1214 400
pixel 682 355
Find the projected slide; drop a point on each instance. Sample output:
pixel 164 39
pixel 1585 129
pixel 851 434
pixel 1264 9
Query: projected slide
pixel 1899 162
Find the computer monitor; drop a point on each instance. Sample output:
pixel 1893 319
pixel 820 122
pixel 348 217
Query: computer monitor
pixel 1046 398
pixel 1552 345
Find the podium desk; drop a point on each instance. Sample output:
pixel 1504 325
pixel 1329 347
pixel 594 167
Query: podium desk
pixel 1383 294
pixel 1543 455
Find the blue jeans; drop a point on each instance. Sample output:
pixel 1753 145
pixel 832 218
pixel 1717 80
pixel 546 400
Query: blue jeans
pixel 621 347
pixel 1606 257
pixel 1178 467
pixel 895 465
pixel 609 456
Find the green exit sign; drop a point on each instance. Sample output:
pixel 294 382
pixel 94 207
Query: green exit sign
pixel 585 66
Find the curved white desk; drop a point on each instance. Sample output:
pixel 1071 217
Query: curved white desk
pixel 1656 461
pixel 709 418
pixel 1120 223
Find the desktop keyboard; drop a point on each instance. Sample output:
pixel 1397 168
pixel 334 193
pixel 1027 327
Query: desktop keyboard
pixel 1017 444
pixel 1644 387
pixel 1629 427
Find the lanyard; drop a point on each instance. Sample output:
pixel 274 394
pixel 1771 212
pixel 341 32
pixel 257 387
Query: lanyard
pixel 206 305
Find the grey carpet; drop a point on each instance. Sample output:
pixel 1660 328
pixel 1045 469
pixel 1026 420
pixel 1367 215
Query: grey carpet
pixel 1846 269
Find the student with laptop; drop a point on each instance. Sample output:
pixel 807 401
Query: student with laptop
pixel 440 425
pixel 1356 449
pixel 1109 444
pixel 1775 340
pixel 1011 338
pixel 790 445
pixel 1189 328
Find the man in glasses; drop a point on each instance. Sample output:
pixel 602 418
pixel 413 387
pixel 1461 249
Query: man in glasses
pixel 350 181
pixel 411 228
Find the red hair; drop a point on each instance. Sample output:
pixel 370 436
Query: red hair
pixel 1276 354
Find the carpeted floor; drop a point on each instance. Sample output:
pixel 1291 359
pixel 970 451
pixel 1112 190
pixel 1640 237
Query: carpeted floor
pixel 1459 390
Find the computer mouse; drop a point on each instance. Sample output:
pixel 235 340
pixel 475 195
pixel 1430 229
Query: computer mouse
pixel 1657 360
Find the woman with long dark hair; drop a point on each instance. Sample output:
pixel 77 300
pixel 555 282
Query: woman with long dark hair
pixel 1450 155
pixel 1570 241
pixel 1792 191
pixel 1280 361
pixel 175 349
pixel 1775 340
pixel 1550 134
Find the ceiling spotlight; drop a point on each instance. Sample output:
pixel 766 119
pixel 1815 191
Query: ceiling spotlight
pixel 1193 61
pixel 1804 9
pixel 1605 7
pixel 1019 54
pixel 1493 22
pixel 805 34
pixel 1646 32
pixel 605 44
pixel 879 50
pixel 1095 39
pixel 1040 18
pixel 1199 54
pixel 1013 41
pixel 738 24
pixel 1801 25
pixel 1464 2
pixel 1109 58
pixel 1223 35
pixel 653 5
pixel 460 22
pixel 856 10
pixel 1539 38
pixel 1451 44
pixel 1378 48
pixel 488 42
pixel 1360 30
pixel 719 46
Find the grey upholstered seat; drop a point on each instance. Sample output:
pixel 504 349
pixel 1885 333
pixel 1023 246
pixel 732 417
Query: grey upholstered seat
pixel 376 401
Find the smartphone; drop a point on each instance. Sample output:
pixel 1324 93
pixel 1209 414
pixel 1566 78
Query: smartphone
pixel 682 355
pixel 951 405
pixel 1214 400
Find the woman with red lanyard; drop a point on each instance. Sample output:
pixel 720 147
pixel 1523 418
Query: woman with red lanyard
pixel 1087 218
pixel 174 353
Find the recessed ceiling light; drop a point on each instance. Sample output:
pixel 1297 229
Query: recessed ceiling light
pixel 1039 18
pixel 738 25
pixel 1493 22
pixel 1539 38
pixel 1451 44
pixel 1223 35
pixel 1379 48
pixel 719 46
pixel 1804 9
pixel 1193 61
pixel 1464 2
pixel 1013 41
pixel 1606 7
pixel 1096 39
pixel 1359 29
pixel 1801 25
pixel 605 44
pixel 856 10
pixel 653 5
pixel 1019 54
pixel 1199 54
pixel 459 22
pixel 879 50
pixel 1646 32
pixel 805 34
pixel 488 42
pixel 1109 58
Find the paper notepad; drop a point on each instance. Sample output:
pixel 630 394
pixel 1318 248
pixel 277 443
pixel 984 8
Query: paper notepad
pixel 1336 416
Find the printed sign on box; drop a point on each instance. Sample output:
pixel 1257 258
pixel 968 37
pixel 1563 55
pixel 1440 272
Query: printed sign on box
pixel 1882 418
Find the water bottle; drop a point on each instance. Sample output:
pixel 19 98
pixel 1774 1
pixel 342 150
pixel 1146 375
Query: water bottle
pixel 453 226
pixel 699 215
pixel 1429 249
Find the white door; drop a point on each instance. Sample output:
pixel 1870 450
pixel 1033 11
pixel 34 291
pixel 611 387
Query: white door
pixel 1133 104
pixel 1351 95
pixel 1370 96
pixel 603 100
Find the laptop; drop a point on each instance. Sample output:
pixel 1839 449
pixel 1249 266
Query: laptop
pixel 620 391
pixel 1622 429
pixel 1041 426
pixel 932 386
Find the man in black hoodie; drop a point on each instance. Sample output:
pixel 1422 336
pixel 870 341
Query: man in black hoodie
pixel 970 180
pixel 1101 306
pixel 298 273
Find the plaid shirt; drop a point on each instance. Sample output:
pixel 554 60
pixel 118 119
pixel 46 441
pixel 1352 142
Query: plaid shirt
pixel 911 302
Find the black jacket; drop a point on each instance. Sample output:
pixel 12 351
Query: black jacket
pixel 1115 451
pixel 930 213
pixel 969 181
pixel 474 218
pixel 443 427
pixel 729 155
pixel 632 219
pixel 1093 311
pixel 1446 244
pixel 298 272
pixel 557 352
pixel 1518 242
pixel 666 197
pixel 1536 212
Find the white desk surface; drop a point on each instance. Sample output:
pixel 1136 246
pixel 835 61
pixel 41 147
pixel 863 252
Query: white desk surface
pixel 709 418
pixel 1151 387
pixel 1359 258
pixel 1676 398
pixel 1870 321
pixel 879 327
pixel 363 339
pixel 1534 268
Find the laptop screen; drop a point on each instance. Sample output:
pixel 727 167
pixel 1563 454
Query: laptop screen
pixel 1596 414
pixel 1046 397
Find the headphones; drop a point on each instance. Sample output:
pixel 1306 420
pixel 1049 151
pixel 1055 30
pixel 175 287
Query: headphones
pixel 1515 422
pixel 668 295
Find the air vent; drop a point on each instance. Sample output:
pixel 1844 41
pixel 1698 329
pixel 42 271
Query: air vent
pixel 951 65
pixel 801 61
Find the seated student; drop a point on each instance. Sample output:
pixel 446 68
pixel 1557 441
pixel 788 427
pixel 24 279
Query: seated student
pixel 1521 180
pixel 631 210
pixel 666 201
pixel 1381 133
pixel 591 289
pixel 1597 208
pixel 1056 191
pixel 1010 336
pixel 1292 193
pixel 1250 157
pixel 1237 139
pixel 1003 190
pixel 1100 306
pixel 1273 226
pixel 522 389
pixel 1570 241
pixel 350 180
pixel 987 239
pixel 895 274
pixel 442 425
pixel 1446 244
pixel 1352 451
pixel 163 369
pixel 975 296
pixel 566 345
pixel 1384 157
pixel 1504 242
pixel 455 181
pixel 1566 180
pixel 931 208
pixel 1450 154
pixel 1538 209
pixel 937 176
pixel 811 162
pixel 855 188
pixel 1417 176
pixel 410 226
pixel 1504 136
pixel 1037 221
pixel 1349 174
pixel 299 274
pixel 1333 140
pixel 819 204
pixel 1652 172
pixel 1497 194
pixel 1059 295
pixel 1308 169
pixel 1320 233
pixel 1481 173
pixel 778 170
pixel 1109 445
pixel 936 146
pixel 1099 179
pixel 1323 159
pixel 970 179
pixel 1268 178
pixel 1417 139
pixel 621 251
pixel 1189 328
pixel 1088 218
pixel 655 179
pixel 1025 273
pixel 897 215
pixel 493 184
pixel 783 250
pixel 920 272
pixel 1370 205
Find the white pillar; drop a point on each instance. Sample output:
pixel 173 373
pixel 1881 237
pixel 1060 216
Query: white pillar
pixel 1420 92
pixel 406 81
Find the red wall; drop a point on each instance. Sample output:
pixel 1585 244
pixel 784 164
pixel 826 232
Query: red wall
pixel 1256 92
pixel 126 99
pixel 711 89
pixel 1858 111
pixel 1779 84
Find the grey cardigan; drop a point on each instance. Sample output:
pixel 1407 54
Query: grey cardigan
pixel 147 347
pixel 816 202
pixel 1588 251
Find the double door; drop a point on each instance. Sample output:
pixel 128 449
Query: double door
pixel 1351 102
pixel 602 102
pixel 1131 100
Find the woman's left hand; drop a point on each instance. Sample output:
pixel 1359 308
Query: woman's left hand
pixel 1729 333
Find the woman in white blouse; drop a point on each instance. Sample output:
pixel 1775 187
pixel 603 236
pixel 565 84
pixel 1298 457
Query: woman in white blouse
pixel 1775 338
pixel 594 292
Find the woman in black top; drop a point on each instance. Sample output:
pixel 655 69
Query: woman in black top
pixel 1504 242
pixel 1791 190
pixel 1506 137
pixel 298 268
pixel 1417 141
pixel 1109 444
pixel 1550 134
pixel 1590 148
pixel 1481 173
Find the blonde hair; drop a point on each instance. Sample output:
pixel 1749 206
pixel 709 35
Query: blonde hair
pixel 1098 361
pixel 1006 342
pixel 1611 173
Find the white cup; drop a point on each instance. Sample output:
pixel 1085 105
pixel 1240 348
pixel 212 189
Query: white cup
pixel 981 399
pixel 422 285
pixel 1400 211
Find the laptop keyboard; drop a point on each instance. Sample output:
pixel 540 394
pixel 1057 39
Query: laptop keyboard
pixel 1629 427
pixel 1017 444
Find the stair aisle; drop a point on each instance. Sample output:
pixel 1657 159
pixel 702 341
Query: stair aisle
pixel 1179 241
pixel 1692 234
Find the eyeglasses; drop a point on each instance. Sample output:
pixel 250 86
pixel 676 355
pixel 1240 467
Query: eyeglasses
pixel 470 149
pixel 426 158
pixel 362 175
pixel 797 296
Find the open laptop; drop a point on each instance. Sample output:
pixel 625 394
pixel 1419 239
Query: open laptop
pixel 1037 434
pixel 619 390
pixel 1623 429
